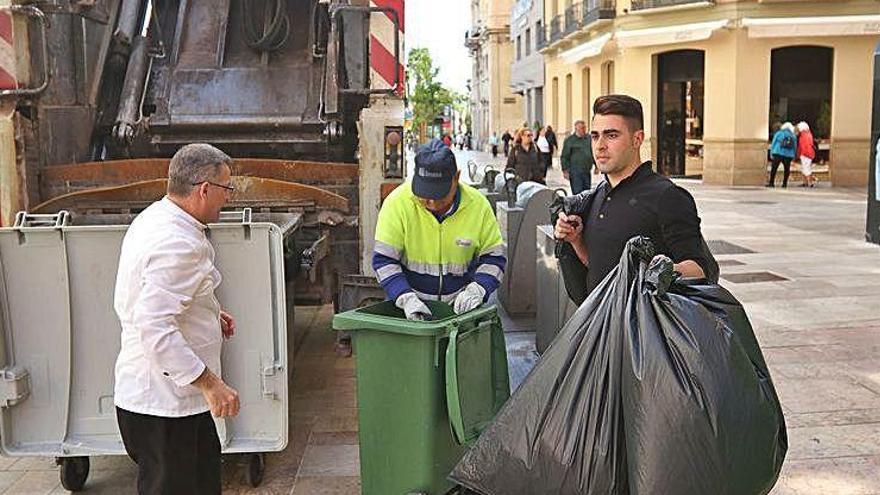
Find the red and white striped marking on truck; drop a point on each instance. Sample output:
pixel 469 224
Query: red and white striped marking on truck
pixel 7 52
pixel 382 62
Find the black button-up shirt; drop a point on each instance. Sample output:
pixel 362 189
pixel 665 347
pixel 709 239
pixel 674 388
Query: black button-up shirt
pixel 647 204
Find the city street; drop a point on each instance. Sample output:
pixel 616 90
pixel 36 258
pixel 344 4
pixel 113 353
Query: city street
pixel 795 258
pixel 193 194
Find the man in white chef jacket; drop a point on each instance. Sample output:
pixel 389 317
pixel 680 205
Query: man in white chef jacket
pixel 168 371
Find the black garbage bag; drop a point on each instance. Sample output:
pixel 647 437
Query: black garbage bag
pixel 656 385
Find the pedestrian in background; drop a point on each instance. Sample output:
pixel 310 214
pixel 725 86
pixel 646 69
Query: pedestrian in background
pixel 167 379
pixel 545 150
pixel 782 151
pixel 577 158
pixel 493 142
pixel 506 138
pixel 806 153
pixel 524 157
pixel 551 138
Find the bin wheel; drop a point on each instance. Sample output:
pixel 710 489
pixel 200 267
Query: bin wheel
pixel 256 467
pixel 74 471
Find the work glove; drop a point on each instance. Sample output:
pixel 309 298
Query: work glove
pixel 413 307
pixel 469 298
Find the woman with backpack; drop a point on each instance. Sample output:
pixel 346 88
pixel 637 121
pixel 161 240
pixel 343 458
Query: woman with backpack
pixel 524 157
pixel 782 150
pixel 806 153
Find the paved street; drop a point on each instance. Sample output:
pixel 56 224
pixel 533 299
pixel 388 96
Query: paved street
pixel 816 317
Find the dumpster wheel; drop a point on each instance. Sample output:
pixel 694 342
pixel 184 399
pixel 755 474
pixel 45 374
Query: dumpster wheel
pixel 74 471
pixel 254 469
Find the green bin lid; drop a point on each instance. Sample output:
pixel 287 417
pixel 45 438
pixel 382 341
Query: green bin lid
pixel 386 317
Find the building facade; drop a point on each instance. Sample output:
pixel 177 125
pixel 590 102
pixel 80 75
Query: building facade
pixel 527 32
pixel 495 107
pixel 716 77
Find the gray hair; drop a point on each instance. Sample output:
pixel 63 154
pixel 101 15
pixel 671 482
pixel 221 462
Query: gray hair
pixel 193 164
pixel 578 122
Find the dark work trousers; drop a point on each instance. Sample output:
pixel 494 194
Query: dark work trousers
pixel 548 161
pixel 494 151
pixel 174 455
pixel 580 179
pixel 786 167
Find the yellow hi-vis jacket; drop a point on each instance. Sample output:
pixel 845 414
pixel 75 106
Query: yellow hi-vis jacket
pixel 437 258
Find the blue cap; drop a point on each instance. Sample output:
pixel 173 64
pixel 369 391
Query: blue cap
pixel 435 170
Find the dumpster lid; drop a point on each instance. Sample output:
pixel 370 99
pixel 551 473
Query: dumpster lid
pixel 60 337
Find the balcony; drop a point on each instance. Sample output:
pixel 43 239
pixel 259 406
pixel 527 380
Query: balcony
pixel 595 10
pixel 640 5
pixel 472 38
pixel 556 25
pixel 573 18
pixel 578 16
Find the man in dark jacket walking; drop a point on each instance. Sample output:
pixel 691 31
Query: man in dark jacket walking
pixel 577 158
pixel 507 138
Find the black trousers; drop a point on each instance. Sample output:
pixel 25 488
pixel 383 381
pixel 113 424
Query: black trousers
pixel 174 455
pixel 786 164
pixel 547 158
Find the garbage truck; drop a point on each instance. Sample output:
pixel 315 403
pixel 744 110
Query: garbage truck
pixel 95 97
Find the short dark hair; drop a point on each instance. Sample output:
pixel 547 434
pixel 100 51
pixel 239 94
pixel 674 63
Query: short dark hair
pixel 626 106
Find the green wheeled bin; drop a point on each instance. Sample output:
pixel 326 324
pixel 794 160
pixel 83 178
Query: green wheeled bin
pixel 426 389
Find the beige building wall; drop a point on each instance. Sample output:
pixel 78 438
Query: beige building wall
pixel 494 106
pixel 506 107
pixel 736 81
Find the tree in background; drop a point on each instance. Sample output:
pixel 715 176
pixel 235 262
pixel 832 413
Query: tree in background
pixel 426 96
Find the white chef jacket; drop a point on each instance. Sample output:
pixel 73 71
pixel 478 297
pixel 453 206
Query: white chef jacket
pixel 170 317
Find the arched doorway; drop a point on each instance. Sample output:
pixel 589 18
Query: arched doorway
pixel 680 76
pixel 800 90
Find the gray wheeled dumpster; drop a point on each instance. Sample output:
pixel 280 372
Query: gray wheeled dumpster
pixel 61 336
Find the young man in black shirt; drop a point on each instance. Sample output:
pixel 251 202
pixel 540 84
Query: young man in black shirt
pixel 633 200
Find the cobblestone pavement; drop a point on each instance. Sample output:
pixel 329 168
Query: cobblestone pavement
pixel 819 327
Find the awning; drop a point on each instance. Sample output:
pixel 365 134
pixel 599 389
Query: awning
pixel 669 34
pixel 788 27
pixel 586 50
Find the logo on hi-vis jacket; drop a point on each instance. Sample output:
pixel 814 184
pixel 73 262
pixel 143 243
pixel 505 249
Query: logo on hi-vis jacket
pixel 465 243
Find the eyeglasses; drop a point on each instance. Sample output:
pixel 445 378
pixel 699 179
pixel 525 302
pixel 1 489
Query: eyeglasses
pixel 231 189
